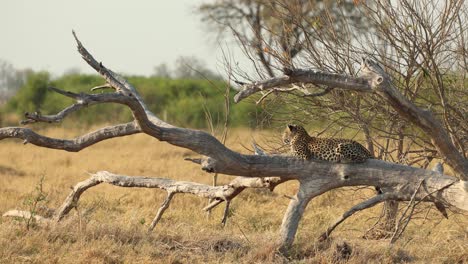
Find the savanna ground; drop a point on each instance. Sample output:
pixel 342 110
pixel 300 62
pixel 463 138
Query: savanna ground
pixel 110 225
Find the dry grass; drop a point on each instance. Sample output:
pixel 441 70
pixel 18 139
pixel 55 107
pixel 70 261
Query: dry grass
pixel 110 225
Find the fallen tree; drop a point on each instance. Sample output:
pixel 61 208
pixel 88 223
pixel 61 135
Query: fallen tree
pixel 400 182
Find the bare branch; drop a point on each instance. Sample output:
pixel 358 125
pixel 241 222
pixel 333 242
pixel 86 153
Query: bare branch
pixel 73 145
pixel 57 118
pixel 212 205
pixel 171 186
pixel 82 100
pixel 389 196
pixel 219 193
pixel 161 210
pixel 226 213
pixel 359 207
pixel 304 76
pixel 108 75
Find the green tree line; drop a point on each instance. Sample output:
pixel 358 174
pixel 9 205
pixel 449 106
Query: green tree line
pixel 180 101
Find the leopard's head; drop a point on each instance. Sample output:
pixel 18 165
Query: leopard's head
pixel 293 132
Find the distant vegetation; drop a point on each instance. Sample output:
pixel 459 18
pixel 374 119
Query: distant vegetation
pixel 179 101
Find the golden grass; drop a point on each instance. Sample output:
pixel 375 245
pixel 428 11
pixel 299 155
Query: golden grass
pixel 111 223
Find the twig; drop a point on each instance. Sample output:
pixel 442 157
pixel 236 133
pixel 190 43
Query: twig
pixel 161 210
pixel 359 207
pixel 411 205
pixel 212 205
pixel 275 90
pixel 226 213
pixel 104 86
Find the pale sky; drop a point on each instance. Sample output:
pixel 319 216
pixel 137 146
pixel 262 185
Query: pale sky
pixel 127 36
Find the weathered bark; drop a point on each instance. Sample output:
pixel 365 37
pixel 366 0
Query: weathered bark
pixel 382 85
pixel 307 191
pixel 73 145
pixel 304 76
pixel 372 79
pixel 219 193
pixel 315 177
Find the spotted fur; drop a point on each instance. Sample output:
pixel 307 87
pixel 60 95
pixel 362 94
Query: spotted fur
pixel 329 149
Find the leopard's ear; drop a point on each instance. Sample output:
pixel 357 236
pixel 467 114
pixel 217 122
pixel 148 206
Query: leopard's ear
pixel 292 127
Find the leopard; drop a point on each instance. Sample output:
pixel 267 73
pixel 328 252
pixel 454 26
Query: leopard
pixel 336 150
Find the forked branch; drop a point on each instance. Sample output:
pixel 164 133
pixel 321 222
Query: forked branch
pixel 72 145
pixel 219 193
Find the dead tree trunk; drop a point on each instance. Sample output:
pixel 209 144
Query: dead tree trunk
pixel 403 183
